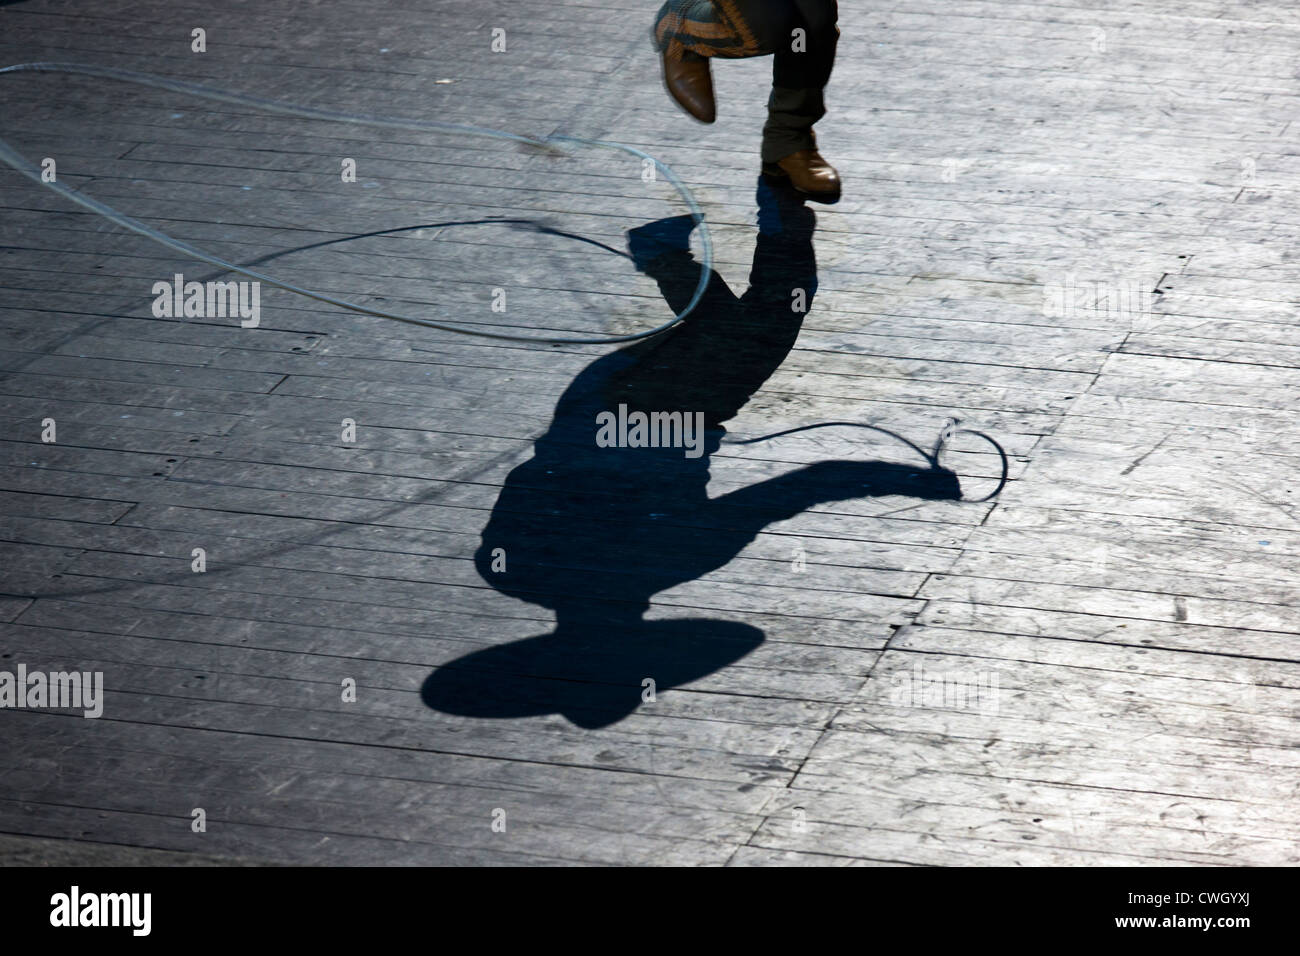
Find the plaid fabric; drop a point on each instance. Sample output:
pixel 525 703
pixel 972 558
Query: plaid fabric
pixel 705 27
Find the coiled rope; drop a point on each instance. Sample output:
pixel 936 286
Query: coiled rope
pixel 19 162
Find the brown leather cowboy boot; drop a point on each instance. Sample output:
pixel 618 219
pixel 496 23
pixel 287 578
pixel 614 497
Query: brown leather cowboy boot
pixel 808 173
pixel 690 83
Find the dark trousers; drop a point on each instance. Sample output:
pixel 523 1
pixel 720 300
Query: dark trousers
pixel 801 36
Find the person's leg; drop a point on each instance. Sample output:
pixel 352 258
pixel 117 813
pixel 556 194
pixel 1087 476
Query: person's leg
pixel 802 63
pixel 688 32
pixel 802 35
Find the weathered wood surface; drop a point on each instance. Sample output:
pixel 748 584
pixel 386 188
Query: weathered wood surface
pixel 1126 608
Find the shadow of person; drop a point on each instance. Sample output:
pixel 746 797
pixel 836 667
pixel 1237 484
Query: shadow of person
pixel 593 532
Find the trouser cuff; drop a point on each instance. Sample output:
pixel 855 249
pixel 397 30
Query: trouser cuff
pixel 791 114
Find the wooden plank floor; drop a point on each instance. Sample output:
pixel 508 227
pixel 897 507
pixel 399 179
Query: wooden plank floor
pixel 1101 666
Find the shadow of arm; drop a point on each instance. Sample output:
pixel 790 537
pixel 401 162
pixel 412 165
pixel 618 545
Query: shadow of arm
pixel 787 495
